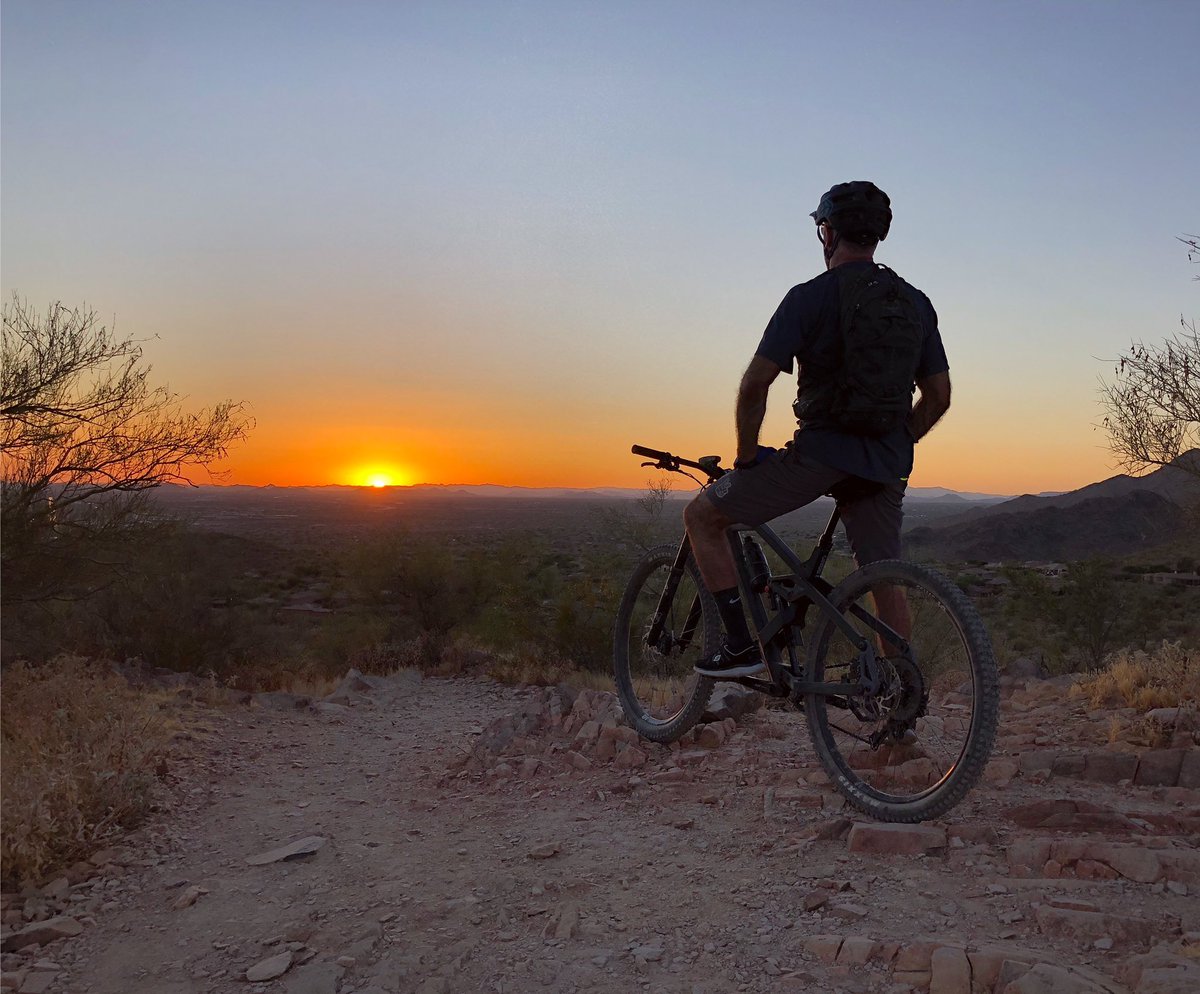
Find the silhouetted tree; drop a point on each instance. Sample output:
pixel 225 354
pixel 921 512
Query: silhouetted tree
pixel 1152 405
pixel 83 436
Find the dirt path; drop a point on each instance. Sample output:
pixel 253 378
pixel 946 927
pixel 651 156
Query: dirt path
pixel 542 867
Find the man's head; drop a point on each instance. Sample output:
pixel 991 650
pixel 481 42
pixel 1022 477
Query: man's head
pixel 857 212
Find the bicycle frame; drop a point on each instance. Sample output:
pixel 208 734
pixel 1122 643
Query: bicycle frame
pixel 793 593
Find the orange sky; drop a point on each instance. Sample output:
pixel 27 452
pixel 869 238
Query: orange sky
pixel 502 242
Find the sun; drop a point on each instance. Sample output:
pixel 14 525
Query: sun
pixel 380 475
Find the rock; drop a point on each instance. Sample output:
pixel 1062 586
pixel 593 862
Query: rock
pixel 276 700
pixel 40 933
pixel 1025 856
pixel 824 947
pixel 731 701
pixel 1106 766
pixel 815 899
pixel 269 969
pixel 567 925
pixel 188 898
pixel 1189 770
pixel 293 850
pixel 950 971
pixel 1024 668
pixel 630 759
pixel 896 840
pixel 1159 768
pixel 329 710
pixel 1066 814
pixel 588 732
pixel 1037 760
pixel 856 950
pixel 1091 925
pixel 648 954
pixel 1000 771
pixel 1045 978
pixel 711 736
pixel 547 851
pixel 435 985
pixel 315 978
pixel 915 956
pixel 988 961
pixel 37 982
pixel 848 911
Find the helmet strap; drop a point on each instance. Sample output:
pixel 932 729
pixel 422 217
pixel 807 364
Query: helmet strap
pixel 831 245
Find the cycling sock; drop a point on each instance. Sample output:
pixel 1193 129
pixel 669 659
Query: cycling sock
pixel 729 604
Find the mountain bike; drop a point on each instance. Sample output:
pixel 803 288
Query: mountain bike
pixel 902 722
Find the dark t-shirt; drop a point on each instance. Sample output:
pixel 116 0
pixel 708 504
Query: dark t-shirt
pixel 806 329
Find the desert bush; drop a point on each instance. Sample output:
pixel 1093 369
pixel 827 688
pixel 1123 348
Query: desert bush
pixel 1164 677
pixel 84 436
pixel 79 757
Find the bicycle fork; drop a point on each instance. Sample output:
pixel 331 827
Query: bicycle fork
pixel 655 636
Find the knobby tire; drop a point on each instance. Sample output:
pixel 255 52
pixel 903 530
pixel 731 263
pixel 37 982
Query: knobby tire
pixel 825 720
pixel 635 662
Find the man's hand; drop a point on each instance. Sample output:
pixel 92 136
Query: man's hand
pixel 764 452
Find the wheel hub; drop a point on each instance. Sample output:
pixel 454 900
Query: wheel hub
pixel 893 689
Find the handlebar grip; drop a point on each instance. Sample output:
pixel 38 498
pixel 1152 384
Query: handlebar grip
pixel 641 450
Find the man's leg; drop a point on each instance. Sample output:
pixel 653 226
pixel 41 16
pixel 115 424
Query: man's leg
pixel 706 528
pixel 873 528
pixel 707 532
pixel 782 483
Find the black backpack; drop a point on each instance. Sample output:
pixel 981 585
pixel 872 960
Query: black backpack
pixel 870 391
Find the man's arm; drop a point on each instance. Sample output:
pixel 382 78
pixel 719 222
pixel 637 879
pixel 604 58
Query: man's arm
pixel 932 404
pixel 752 405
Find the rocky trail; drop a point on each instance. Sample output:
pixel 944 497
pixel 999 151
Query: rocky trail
pixel 438 836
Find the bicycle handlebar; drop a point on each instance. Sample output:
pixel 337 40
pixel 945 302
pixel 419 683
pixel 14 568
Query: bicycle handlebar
pixel 709 465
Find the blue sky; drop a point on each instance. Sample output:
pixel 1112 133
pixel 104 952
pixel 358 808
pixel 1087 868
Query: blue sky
pixel 534 230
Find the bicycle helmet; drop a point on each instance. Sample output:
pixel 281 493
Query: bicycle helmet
pixel 859 211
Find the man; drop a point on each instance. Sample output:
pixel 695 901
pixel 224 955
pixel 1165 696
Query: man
pixel 867 461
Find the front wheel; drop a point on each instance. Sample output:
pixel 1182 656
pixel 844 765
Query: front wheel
pixel 915 739
pixel 663 697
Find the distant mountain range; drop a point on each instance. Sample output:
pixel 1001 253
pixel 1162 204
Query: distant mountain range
pixel 1116 517
pixel 940 494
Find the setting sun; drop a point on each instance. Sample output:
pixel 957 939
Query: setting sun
pixel 379 475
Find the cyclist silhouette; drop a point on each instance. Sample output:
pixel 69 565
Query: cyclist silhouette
pixel 866 470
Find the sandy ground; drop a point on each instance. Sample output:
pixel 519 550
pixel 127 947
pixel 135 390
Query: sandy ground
pixel 727 869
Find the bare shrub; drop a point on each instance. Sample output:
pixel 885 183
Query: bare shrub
pixel 79 759
pixel 1166 677
pixel 83 436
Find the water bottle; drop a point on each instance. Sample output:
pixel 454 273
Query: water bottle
pixel 756 563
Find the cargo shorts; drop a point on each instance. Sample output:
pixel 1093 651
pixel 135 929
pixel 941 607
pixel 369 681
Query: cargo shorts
pixel 786 480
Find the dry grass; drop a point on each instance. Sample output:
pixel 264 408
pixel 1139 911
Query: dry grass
pixel 80 750
pixel 1167 677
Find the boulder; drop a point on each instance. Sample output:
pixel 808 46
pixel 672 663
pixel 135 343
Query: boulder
pixel 731 701
pixel 896 840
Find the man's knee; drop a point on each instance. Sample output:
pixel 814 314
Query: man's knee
pixel 700 515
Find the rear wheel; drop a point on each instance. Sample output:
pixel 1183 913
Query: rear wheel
pixel 662 695
pixel 911 745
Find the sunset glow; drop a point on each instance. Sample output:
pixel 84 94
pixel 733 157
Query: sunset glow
pixel 379 477
pixel 500 243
